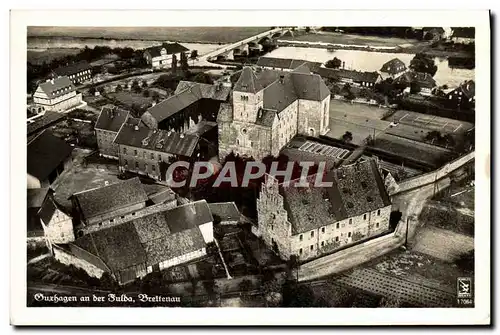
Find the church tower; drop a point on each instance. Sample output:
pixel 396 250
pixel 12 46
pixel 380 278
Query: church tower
pixel 248 97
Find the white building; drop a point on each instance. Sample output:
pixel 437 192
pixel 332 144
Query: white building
pixel 57 94
pixel 161 56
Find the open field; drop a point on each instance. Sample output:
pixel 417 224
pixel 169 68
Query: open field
pixel 341 109
pixel 422 152
pixel 431 122
pixel 443 244
pixel 339 38
pixel 129 98
pixel 182 34
pixel 40 56
pixel 359 133
pixel 448 216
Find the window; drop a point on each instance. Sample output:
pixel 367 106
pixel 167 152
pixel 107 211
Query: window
pixel 159 157
pixel 323 230
pixel 136 165
pixel 322 243
pixel 376 225
pixel 300 251
pixel 301 237
pixel 338 225
pixel 123 216
pixel 100 223
pixel 133 214
pixel 378 212
pixel 349 235
pixel 312 233
pixel 145 167
pixel 144 155
pixel 153 167
pixel 364 217
pixel 152 156
pixel 125 162
pixel 312 247
pixel 350 221
pixel 336 239
pixel 135 152
pixel 112 220
pixel 124 150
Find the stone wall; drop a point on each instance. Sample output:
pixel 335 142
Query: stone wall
pixel 285 128
pixel 60 228
pixel 309 117
pixel 105 143
pixel 142 161
pixel 66 258
pixel 244 139
pixel 431 177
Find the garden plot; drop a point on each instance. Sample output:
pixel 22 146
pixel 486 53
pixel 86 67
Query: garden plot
pixel 431 122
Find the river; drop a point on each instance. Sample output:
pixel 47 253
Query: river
pixel 373 61
pixel 355 59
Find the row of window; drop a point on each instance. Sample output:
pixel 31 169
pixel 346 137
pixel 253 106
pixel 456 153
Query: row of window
pixel 144 154
pixel 113 220
pixel 79 74
pixel 153 167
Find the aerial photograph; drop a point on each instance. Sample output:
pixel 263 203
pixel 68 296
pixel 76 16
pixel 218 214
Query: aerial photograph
pixel 287 166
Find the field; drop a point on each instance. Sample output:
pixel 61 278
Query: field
pixel 181 34
pixel 412 149
pixel 130 98
pixel 40 56
pixel 442 244
pixel 430 122
pixel 339 109
pixel 338 38
pixel 448 216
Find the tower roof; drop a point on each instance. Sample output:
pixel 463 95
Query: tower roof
pixel 248 82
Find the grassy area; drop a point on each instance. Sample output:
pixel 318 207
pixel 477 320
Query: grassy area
pixel 40 56
pixel 341 109
pixel 76 133
pixel 448 216
pixel 338 38
pixel 182 34
pixel 130 98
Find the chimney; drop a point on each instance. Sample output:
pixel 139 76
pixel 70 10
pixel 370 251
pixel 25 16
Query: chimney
pixel 181 135
pixel 136 127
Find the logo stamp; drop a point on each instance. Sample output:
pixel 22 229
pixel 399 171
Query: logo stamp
pixel 464 287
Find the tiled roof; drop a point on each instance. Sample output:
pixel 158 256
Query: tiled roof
pixel 205 91
pixel 280 94
pixel 171 48
pixel 57 87
pixel 226 211
pixel 357 189
pixel 45 121
pixel 188 216
pixel 72 68
pixel 284 63
pixel 464 32
pixel 36 197
pixel 248 82
pixel 45 152
pixel 111 118
pixel 118 246
pixel 392 65
pixel 422 79
pixel 157 140
pixel 47 210
pixel 310 86
pixel 356 76
pixel 159 193
pixel 174 104
pixel 109 198
pixel 201 127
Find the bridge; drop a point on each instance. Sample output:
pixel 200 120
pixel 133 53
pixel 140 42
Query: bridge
pixel 245 44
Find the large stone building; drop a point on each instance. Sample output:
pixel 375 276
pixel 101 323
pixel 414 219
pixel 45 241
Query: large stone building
pixel 311 221
pixel 142 150
pixel 57 94
pixel 78 73
pixel 108 124
pixel 268 108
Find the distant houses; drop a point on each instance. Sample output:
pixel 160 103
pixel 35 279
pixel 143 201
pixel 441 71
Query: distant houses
pixel 77 73
pixel 108 124
pixel 285 64
pixel 161 56
pixel 393 68
pixel 57 94
pixel 463 35
pixel 355 78
pixel 418 82
pixel 463 97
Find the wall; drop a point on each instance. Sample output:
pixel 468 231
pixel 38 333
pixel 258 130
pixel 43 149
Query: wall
pixel 309 117
pixel 123 213
pixel 143 162
pixel 274 226
pixel 69 259
pixel 33 182
pixel 60 228
pixel 285 128
pixel 431 177
pixel 105 143
pixel 244 138
pixel 207 231
pixel 179 260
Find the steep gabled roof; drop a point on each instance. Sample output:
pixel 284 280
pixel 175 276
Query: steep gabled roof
pixel 421 78
pixel 248 82
pixel 111 118
pixel 175 103
pixel 45 152
pixel 45 121
pixel 57 87
pixel 392 66
pixel 106 199
pixel 356 76
pixel 171 48
pixel 48 209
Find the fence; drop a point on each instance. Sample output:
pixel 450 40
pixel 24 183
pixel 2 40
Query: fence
pixel 433 176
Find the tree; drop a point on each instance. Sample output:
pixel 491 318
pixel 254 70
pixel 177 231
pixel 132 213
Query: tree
pixel 423 63
pixel 347 137
pixel 194 55
pixel 203 78
pixel 155 96
pixel 118 88
pixel 184 62
pixel 293 264
pixel 145 93
pixel 92 90
pixel 144 84
pixel 174 64
pixel 308 29
pixel 334 63
pixel 136 87
pixel 414 88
